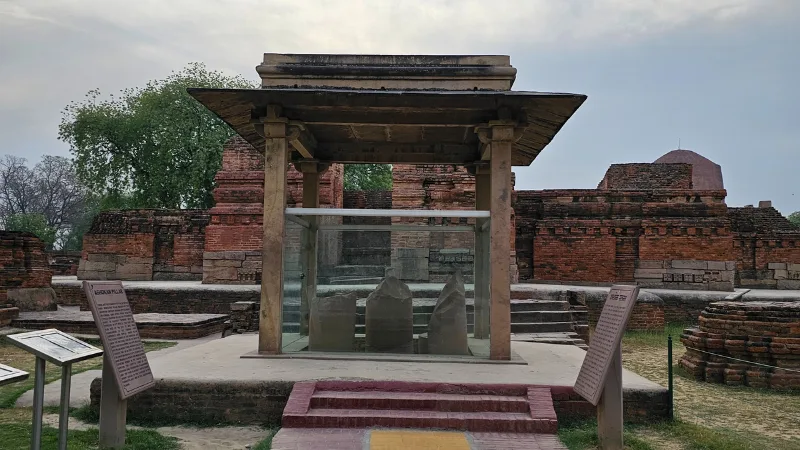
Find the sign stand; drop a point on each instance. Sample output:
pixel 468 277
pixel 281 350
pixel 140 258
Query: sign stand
pixel 113 410
pixel 609 409
pixel 126 371
pixel 600 378
pixel 62 350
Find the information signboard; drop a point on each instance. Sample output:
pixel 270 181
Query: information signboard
pixel 605 342
pixel 55 346
pixel 117 328
pixel 9 374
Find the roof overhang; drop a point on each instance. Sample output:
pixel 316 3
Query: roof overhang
pixel 385 126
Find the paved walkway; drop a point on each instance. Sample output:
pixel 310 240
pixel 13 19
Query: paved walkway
pixel 387 439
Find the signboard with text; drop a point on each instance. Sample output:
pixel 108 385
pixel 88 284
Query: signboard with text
pixel 121 342
pixel 605 342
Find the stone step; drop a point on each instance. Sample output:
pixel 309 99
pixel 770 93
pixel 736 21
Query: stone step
pixel 540 316
pixel 427 401
pixel 541 327
pixel 539 305
pixel 343 281
pixel 565 338
pixel 418 328
pixel 497 422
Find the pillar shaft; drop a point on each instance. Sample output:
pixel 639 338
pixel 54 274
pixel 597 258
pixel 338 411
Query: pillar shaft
pixel 308 285
pixel 270 324
pixel 500 244
pixel 482 203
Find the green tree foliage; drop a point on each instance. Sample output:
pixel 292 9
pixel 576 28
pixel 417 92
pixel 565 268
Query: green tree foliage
pixel 367 177
pixel 32 223
pixel 795 218
pixel 154 145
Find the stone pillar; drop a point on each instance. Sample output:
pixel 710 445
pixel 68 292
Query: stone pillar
pixel 482 203
pixel 276 154
pixel 502 139
pixel 308 258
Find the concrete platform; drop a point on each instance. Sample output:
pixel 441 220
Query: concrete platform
pixel 211 381
pixel 150 325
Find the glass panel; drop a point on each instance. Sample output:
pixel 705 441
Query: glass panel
pixel 351 264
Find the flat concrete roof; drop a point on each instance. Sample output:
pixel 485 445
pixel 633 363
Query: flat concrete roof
pixel 398 126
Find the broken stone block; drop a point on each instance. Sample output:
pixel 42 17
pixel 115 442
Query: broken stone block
pixel 332 323
pixel 33 299
pixel 390 318
pixel 447 329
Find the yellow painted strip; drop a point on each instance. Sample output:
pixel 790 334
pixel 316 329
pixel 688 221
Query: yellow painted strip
pixel 418 440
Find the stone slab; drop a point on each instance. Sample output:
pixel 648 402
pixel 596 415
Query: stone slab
pixel 689 264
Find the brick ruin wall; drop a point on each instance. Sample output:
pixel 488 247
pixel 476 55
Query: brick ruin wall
pixel 646 176
pixel 64 263
pixel 23 265
pixel 629 230
pixel 767 248
pixel 433 256
pixel 234 236
pixel 606 236
pixel 144 245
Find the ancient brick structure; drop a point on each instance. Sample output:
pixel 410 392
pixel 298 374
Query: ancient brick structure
pixel 650 224
pixel 367 248
pixel 766 248
pixel 144 245
pixel 234 236
pixel 433 256
pixel 766 334
pixel 64 263
pixel 23 264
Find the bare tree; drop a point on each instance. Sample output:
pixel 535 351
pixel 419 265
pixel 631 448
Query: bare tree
pixel 50 189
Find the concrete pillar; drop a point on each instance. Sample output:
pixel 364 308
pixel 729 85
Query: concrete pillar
pixel 276 152
pixel 502 140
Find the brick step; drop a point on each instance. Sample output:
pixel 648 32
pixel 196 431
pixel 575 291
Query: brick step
pixel 502 422
pixel 426 401
pixel 540 316
pixel 539 305
pixel 541 327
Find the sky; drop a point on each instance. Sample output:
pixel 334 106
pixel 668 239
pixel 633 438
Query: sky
pixel 716 76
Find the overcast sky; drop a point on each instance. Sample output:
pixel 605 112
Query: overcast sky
pixel 718 75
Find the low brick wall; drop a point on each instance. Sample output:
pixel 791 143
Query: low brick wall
pixel 648 312
pixel 262 403
pixel 766 334
pixel 166 301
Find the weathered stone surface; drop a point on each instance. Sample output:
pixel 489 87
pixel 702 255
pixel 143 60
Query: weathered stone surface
pixel 447 329
pixel 33 299
pixel 7 314
pixel 332 323
pixel 389 318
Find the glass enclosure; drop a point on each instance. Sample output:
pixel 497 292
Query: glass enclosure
pixel 366 282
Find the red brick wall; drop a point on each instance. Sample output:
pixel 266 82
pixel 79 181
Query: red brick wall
pixel 23 263
pixel 640 176
pixel 599 235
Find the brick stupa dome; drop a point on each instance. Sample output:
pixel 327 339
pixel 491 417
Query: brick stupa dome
pixel 706 174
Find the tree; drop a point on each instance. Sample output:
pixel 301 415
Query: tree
pixel 156 144
pixel 795 218
pixel 49 191
pixel 32 223
pixel 367 177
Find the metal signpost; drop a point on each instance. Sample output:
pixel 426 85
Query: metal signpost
pixel 62 350
pixel 126 370
pixel 600 378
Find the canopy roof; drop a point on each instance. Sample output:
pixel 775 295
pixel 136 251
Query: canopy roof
pixel 389 126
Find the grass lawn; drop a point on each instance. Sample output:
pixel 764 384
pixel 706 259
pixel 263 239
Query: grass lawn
pixel 15 423
pixel 709 416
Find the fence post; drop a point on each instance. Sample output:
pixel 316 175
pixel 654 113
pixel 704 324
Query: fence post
pixel 669 375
